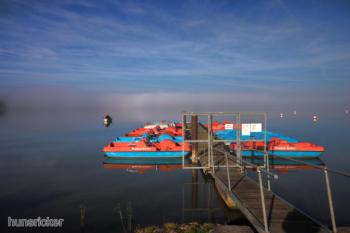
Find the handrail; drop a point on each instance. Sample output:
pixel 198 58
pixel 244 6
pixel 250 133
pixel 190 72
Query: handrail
pixel 275 176
pixel 261 187
pixel 259 170
pixel 242 140
pixel 325 170
pixel 243 164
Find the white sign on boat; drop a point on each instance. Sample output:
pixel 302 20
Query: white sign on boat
pixel 256 127
pixel 245 129
pixel 228 126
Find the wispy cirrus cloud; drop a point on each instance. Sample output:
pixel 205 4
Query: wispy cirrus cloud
pixel 129 44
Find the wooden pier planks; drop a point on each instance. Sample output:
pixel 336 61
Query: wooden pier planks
pixel 281 216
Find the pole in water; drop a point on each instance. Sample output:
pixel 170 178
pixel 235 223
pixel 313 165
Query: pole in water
pixel 107 120
pixel 184 121
pixel 194 133
pixel 281 115
pixel 315 118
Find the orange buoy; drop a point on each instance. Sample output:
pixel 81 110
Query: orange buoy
pixel 281 115
pixel 295 112
pixel 347 111
pixel 315 118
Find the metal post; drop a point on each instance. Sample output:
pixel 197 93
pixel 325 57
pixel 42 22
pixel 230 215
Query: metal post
pixel 228 173
pixel 211 143
pixel 238 139
pixel 265 145
pixel 330 201
pixel 183 137
pixel 267 164
pixel 263 200
pixel 209 128
pixel 184 120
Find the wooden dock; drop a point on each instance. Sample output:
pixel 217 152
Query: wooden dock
pixel 245 194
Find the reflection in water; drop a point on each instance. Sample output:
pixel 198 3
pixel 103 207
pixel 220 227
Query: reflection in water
pixel 199 200
pixel 198 197
pixel 194 188
pixel 141 165
pixel 283 166
pixel 208 202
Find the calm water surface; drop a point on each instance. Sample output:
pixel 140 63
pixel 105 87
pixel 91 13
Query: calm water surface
pixel 51 165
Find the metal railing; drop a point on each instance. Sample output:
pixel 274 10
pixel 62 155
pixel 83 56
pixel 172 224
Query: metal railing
pixel 325 171
pixel 239 160
pixel 210 202
pixel 243 165
pixel 184 140
pixel 210 140
pixel 261 186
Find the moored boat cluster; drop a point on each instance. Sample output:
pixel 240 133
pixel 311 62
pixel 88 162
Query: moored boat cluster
pixel 253 144
pixel 164 140
pixel 155 140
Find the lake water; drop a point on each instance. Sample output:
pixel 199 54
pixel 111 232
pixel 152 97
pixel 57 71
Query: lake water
pixel 53 165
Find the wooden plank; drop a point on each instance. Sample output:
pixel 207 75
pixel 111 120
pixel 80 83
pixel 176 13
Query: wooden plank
pixel 232 229
pixel 343 229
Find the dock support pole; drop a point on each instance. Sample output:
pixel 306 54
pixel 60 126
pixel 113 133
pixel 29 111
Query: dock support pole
pixel 228 173
pixel 330 201
pixel 210 147
pixel 183 136
pixel 194 133
pixel 266 155
pixel 238 141
pixel 194 188
pixel 184 122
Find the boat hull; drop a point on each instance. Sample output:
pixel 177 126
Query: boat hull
pixel 147 161
pixel 296 154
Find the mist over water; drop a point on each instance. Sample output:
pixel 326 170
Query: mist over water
pixel 51 149
pixel 57 104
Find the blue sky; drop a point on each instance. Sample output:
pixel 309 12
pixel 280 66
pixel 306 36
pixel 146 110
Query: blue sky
pixel 280 49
